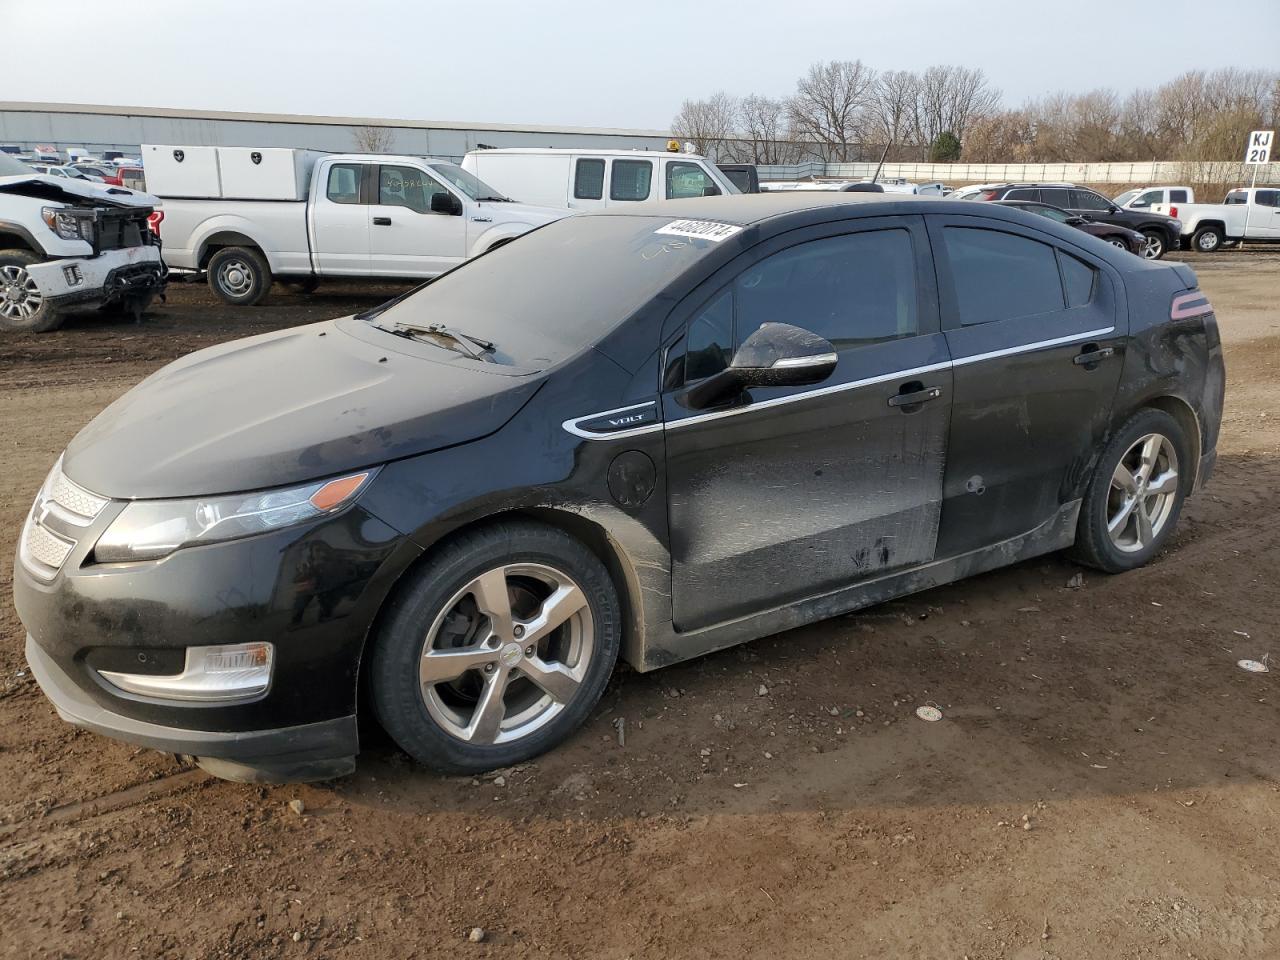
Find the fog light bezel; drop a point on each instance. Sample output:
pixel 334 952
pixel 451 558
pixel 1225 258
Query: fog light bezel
pixel 204 680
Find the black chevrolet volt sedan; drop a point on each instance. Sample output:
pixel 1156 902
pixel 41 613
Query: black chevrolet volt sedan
pixel 649 435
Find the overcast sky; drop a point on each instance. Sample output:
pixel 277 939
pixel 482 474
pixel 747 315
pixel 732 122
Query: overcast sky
pixel 587 63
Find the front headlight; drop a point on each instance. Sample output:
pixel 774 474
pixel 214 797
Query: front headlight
pixel 150 529
pixel 68 225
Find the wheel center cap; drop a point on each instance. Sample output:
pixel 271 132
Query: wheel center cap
pixel 511 655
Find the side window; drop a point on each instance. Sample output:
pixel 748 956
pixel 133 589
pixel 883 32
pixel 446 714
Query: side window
pixel 710 340
pixel 1088 200
pixel 1079 279
pixel 1268 198
pixel 1236 198
pixel 344 183
pixel 1057 196
pixel 1023 193
pixel 853 290
pixel 588 179
pixel 1177 196
pixel 631 180
pixel 688 180
pixel 406 187
pixel 999 276
pixel 1148 198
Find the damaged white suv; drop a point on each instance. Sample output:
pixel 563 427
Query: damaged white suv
pixel 72 244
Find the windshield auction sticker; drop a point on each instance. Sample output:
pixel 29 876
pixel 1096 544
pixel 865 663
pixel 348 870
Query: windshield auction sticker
pixel 699 230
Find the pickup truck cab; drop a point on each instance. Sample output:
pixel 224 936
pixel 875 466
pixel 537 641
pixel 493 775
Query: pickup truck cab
pixel 597 179
pixel 1144 198
pixel 302 216
pixel 67 244
pixel 1248 214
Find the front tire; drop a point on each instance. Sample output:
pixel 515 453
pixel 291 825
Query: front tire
pixel 1135 497
pixel 497 650
pixel 239 276
pixel 1207 239
pixel 23 308
pixel 1154 247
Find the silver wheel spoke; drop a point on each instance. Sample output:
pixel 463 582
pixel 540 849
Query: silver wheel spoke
pixel 494 601
pixel 440 666
pixel 1117 523
pixel 555 679
pixel 556 609
pixel 1124 479
pixel 486 722
pixel 1166 482
pixel 1145 533
pixel 1150 451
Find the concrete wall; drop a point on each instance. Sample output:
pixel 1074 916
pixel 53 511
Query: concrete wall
pixel 99 128
pixel 1171 172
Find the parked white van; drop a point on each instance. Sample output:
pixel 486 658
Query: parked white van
pixel 595 179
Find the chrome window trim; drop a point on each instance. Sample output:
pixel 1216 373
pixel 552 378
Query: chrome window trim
pixel 572 425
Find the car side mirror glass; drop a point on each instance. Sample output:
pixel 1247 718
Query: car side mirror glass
pixel 775 355
pixel 446 203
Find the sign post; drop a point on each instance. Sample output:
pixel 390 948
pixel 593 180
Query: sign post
pixel 1256 153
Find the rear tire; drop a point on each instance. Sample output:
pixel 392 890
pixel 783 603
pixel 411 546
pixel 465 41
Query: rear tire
pixel 239 276
pixel 1207 240
pixel 23 308
pixel 1136 494
pixel 463 675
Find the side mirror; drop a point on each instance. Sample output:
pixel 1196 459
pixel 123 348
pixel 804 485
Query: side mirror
pixel 776 355
pixel 1086 218
pixel 446 203
pixel 1076 221
pixel 712 191
pixel 1112 208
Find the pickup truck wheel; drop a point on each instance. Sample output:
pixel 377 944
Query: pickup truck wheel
pixel 1153 249
pixel 239 276
pixel 1207 239
pixel 22 307
pixel 497 650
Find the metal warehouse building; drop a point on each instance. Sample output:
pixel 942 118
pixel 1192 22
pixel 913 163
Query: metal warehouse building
pixel 97 128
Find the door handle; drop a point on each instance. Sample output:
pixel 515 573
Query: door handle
pixel 382 221
pixel 914 394
pixel 1091 355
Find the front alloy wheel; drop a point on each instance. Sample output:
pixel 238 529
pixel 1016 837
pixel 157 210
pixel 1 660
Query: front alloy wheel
pixel 496 649
pixel 507 654
pixel 20 298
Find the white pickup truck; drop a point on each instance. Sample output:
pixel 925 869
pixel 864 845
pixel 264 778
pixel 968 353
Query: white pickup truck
pixel 72 244
pixel 246 216
pixel 1205 226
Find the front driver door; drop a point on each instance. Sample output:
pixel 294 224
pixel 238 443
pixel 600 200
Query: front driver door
pixel 791 492
pixel 406 239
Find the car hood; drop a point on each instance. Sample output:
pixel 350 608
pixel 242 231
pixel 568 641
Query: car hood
pixel 287 407
pixel 64 190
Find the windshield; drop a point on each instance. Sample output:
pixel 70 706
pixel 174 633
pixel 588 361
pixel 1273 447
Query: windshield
pixel 1125 197
pixel 10 167
pixel 555 290
pixel 472 186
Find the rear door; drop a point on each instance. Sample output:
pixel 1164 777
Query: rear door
pixel 406 238
pixel 1036 330
pixel 340 219
pixel 791 492
pixel 1266 214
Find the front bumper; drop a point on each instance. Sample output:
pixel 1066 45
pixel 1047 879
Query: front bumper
pixel 311 751
pixel 110 275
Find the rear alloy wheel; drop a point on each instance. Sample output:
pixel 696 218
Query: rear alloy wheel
pixel 23 307
pixel 1136 494
pixel 1153 247
pixel 499 650
pixel 1207 239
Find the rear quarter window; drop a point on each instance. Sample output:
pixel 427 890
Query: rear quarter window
pixel 1001 276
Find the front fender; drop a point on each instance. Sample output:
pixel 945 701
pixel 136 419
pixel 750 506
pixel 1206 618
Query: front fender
pixel 498 233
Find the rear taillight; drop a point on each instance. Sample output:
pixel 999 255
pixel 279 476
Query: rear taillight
pixel 1173 212
pixel 154 219
pixel 1193 303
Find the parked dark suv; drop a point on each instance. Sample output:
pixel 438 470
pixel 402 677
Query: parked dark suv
pixel 1162 232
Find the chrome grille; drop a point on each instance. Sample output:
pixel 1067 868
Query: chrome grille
pixel 50 532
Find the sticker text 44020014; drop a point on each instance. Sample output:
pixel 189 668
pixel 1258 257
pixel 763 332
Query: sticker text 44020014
pixel 699 230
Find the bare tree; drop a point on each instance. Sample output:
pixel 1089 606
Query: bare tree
pixel 372 139
pixel 950 98
pixel 829 106
pixel 764 128
pixel 892 101
pixel 708 125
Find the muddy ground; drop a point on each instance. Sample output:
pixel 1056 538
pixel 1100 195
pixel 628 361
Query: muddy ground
pixel 1105 783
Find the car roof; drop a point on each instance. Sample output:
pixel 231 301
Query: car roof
pixel 749 208
pixel 587 151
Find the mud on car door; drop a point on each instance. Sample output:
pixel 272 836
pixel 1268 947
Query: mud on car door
pixel 1036 330
pixel 786 492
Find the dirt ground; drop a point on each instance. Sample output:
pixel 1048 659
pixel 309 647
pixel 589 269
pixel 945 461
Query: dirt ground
pixel 1105 782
